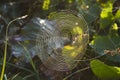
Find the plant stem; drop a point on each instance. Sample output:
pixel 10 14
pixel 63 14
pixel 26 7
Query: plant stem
pixel 76 72
pixel 6 42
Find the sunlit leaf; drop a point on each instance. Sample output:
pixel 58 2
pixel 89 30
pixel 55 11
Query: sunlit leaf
pixel 46 4
pixel 115 27
pixel 106 17
pixel 105 72
pixel 117 15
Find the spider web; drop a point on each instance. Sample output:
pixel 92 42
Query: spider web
pixel 61 40
pixel 51 40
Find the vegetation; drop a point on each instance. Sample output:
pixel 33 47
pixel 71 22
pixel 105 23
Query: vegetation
pixel 19 27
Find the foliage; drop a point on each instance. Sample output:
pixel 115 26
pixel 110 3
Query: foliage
pixel 22 63
pixel 104 71
pixel 110 43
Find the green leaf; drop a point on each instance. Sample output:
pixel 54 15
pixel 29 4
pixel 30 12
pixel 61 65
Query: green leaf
pixel 104 71
pixel 101 43
pixel 117 15
pixel 18 78
pixel 89 10
pixel 106 17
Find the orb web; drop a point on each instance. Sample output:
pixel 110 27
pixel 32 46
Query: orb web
pixel 61 40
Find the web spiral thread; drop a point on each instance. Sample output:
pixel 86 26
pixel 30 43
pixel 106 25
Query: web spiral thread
pixel 61 40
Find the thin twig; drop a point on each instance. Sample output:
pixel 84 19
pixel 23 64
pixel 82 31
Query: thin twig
pixel 76 72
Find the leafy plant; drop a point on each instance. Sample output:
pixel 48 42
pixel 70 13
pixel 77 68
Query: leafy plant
pixel 110 43
pixel 18 48
pixel 105 72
